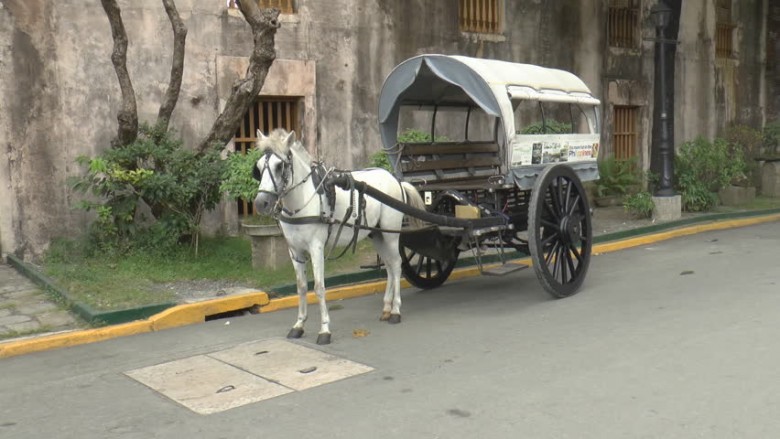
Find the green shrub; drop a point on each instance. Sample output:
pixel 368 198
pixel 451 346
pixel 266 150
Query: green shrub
pixel 639 205
pixel 237 179
pixel 549 127
pixel 380 159
pixel 772 138
pixel 617 177
pixel 177 184
pixel 702 168
pixel 749 141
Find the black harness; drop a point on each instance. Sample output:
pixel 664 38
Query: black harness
pixel 324 186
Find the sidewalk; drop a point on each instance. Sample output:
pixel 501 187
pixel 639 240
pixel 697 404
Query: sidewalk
pixel 25 310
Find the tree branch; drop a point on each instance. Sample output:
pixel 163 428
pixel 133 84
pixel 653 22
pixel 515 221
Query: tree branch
pixel 264 24
pixel 177 65
pixel 127 118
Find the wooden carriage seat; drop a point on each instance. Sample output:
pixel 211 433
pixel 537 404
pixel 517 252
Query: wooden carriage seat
pixel 450 165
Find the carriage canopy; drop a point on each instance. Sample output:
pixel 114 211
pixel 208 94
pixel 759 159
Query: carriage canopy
pixel 443 80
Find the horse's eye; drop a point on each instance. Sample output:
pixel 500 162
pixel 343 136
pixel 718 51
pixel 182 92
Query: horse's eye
pixel 278 168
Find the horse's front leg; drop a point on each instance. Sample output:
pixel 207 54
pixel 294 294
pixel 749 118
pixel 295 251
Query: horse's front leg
pixel 302 284
pixel 387 245
pixel 318 269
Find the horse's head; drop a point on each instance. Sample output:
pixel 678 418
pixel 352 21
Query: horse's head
pixel 274 171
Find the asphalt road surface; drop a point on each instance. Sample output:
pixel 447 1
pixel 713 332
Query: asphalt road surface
pixel 677 339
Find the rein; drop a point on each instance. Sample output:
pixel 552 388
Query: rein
pixel 322 180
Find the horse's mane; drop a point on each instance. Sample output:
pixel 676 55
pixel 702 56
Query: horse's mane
pixel 278 143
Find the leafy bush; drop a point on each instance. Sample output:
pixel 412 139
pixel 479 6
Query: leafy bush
pixel 380 159
pixel 702 168
pixel 772 138
pixel 617 177
pixel 237 179
pixel 549 127
pixel 411 135
pixel 176 184
pixel 749 141
pixel 640 204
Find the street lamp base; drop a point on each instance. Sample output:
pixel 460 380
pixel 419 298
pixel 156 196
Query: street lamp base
pixel 667 208
pixel 665 192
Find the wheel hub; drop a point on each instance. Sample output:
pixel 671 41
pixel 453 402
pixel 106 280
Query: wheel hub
pixel 571 228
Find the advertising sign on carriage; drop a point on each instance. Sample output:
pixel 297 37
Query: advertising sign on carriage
pixel 540 149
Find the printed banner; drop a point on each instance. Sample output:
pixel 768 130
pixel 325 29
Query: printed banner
pixel 540 149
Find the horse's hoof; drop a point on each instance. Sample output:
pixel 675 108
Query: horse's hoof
pixel 323 338
pixel 385 316
pixel 394 318
pixel 295 333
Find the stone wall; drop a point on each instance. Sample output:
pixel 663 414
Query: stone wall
pixel 61 95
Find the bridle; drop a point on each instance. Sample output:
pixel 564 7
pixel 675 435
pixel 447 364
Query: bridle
pixel 281 188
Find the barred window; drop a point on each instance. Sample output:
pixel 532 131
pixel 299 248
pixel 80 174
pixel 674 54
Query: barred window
pixel 267 114
pixel 724 29
pixel 284 6
pixel 625 133
pixel 623 23
pixel 480 16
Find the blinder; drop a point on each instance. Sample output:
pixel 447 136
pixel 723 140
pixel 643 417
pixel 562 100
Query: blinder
pixel 257 174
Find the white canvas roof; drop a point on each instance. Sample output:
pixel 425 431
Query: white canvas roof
pixel 458 80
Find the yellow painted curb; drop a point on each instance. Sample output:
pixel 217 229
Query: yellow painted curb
pixel 196 312
pixel 608 247
pixel 176 316
pixel 369 288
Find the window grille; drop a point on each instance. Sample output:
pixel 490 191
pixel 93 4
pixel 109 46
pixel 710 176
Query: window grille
pixel 625 132
pixel 266 114
pixel 623 23
pixel 723 29
pixel 480 16
pixel 284 6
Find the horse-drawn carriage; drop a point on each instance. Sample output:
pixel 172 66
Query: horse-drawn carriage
pixel 498 154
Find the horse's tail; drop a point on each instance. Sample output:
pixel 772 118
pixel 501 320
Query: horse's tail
pixel 413 199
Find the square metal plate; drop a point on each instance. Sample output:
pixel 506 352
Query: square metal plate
pixel 289 364
pixel 244 374
pixel 205 385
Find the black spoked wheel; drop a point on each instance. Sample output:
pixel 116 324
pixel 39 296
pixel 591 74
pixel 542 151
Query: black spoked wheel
pixel 559 230
pixel 424 271
pixel 427 271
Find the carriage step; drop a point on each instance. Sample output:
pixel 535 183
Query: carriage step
pixel 509 267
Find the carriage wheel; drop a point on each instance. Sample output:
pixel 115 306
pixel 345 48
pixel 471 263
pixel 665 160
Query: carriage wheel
pixel 423 271
pixel 559 230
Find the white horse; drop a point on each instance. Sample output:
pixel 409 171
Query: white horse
pixel 311 219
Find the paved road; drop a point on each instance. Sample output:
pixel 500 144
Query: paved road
pixel 673 340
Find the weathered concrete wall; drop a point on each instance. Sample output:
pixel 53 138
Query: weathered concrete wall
pixel 60 93
pixel 772 92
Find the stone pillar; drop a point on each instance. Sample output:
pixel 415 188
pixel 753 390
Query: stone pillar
pixel 269 248
pixel 770 179
pixel 667 208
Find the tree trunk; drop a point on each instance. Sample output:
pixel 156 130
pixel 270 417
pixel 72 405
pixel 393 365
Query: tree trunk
pixel 177 65
pixel 264 24
pixel 127 118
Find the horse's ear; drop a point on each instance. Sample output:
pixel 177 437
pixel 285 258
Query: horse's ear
pixel 261 136
pixel 290 139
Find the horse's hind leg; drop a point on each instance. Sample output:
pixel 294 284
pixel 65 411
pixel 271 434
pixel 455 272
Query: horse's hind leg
pixel 301 282
pixel 387 247
pixel 318 269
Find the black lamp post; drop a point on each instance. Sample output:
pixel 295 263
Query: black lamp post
pixel 664 141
